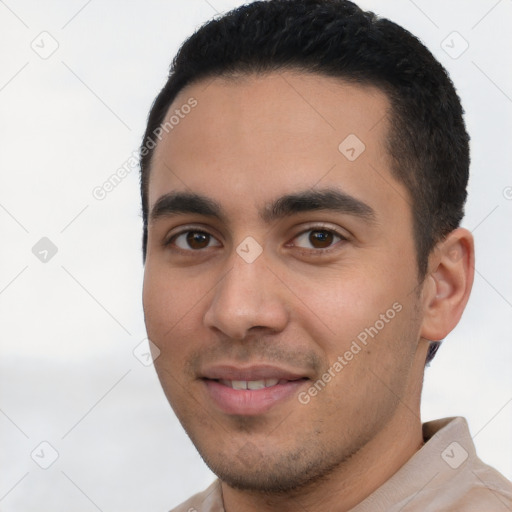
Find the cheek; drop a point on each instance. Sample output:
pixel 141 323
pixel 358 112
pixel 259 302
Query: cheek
pixel 167 313
pixel 175 303
pixel 343 306
pixel 166 301
pixel 365 317
pixel 369 366
pixel 157 303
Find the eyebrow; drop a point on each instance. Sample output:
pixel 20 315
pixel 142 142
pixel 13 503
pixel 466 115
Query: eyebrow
pixel 176 203
pixel 311 200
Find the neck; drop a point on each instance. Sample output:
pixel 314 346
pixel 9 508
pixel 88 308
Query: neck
pixel 350 482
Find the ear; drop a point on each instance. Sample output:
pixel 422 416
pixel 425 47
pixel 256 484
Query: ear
pixel 448 284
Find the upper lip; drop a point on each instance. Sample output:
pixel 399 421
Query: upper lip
pixel 249 373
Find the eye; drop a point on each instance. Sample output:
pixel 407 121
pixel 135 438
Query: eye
pixel 193 240
pixel 317 239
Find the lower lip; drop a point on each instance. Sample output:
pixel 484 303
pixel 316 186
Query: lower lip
pixel 248 402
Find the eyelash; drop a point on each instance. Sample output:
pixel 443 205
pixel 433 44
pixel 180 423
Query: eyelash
pixel 317 251
pixel 320 251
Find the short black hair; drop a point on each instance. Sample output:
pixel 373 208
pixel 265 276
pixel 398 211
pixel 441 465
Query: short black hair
pixel 427 140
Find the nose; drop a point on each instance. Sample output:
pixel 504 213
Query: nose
pixel 249 298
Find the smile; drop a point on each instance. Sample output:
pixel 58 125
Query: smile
pixel 250 384
pixel 251 397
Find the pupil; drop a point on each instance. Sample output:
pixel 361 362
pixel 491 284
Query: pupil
pixel 320 239
pixel 197 240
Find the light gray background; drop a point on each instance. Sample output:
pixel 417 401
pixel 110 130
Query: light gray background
pixel 68 375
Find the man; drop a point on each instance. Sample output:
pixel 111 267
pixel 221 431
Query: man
pixel 304 174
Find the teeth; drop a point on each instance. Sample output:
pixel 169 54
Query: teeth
pixel 250 384
pixel 255 384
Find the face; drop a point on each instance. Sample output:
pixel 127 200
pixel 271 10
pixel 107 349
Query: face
pixel 281 278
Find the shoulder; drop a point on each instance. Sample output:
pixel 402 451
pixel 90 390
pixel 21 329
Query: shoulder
pixel 481 487
pixel 458 479
pixel 209 500
pixel 445 475
pixel 476 489
pixel 467 483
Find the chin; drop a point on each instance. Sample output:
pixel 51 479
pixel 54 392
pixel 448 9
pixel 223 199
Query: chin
pixel 283 473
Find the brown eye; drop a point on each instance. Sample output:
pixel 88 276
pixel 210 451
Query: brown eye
pixel 193 240
pixel 321 239
pixel 317 239
pixel 197 240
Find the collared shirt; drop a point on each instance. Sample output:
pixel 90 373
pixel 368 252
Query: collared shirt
pixel 445 475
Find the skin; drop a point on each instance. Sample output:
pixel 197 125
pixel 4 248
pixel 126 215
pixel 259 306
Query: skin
pixel 300 304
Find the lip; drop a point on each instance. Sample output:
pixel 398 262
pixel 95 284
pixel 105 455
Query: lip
pixel 253 372
pixel 246 402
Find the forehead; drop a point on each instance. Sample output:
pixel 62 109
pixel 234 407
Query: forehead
pixel 261 136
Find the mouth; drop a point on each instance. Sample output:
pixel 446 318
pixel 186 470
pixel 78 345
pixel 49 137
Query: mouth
pixel 250 391
pixel 251 384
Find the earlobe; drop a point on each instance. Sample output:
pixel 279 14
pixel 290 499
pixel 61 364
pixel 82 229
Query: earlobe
pixel 448 285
